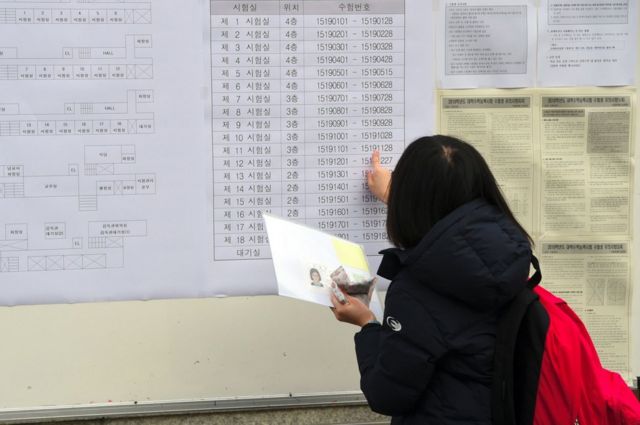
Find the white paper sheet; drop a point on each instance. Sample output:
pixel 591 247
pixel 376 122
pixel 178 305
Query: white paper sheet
pixel 102 151
pixel 129 169
pixel 295 126
pixel 587 43
pixel 483 43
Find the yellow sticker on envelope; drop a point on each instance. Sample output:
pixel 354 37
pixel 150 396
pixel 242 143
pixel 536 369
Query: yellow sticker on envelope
pixel 350 254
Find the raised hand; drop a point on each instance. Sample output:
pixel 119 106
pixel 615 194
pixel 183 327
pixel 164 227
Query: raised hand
pixel 378 178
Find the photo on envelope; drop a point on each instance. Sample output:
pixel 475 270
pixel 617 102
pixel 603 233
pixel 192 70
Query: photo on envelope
pixel 308 261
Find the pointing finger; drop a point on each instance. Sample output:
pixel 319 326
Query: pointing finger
pixel 375 159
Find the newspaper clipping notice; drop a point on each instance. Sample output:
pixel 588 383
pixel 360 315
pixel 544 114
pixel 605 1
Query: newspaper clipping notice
pixel 586 164
pixel 501 128
pixel 594 278
pixel 564 160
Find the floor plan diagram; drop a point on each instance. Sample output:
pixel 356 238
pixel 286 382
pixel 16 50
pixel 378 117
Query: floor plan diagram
pixel 107 171
pixel 128 61
pixel 75 12
pixel 82 118
pixel 51 248
pixel 102 149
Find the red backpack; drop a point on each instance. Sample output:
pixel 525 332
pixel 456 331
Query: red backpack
pixel 547 371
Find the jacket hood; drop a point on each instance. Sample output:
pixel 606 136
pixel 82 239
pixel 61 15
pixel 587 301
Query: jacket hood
pixel 475 255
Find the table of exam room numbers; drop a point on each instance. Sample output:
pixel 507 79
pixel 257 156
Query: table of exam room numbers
pixel 303 92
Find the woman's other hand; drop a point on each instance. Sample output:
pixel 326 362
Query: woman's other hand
pixel 352 311
pixel 378 178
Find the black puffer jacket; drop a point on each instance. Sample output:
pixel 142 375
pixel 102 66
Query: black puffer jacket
pixel 431 360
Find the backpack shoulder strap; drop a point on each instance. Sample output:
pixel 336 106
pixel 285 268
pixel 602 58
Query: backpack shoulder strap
pixel 535 279
pixel 513 330
pixel 503 410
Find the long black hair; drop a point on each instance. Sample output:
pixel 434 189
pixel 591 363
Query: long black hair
pixel 434 176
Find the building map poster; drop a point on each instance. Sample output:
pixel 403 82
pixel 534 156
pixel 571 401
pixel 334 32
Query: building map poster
pixel 140 141
pixel 137 155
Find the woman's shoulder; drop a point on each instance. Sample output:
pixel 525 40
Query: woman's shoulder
pixel 448 314
pixel 405 284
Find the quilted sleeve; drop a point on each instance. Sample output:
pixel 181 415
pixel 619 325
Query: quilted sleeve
pixel 396 360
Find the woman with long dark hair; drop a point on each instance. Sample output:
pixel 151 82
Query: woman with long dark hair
pixel 460 257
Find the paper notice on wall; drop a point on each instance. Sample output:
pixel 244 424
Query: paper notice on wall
pixel 586 161
pixel 136 156
pixel 564 160
pixel 594 277
pixel 582 42
pixel 501 126
pixel 486 43
pixel 100 117
pixel 297 111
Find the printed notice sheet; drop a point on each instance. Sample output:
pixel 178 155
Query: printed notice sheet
pixel 586 152
pixel 302 93
pixel 484 43
pixel 99 121
pixel 587 43
pixel 493 44
pixel 136 156
pixel 564 160
pixel 501 127
pixel 594 277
